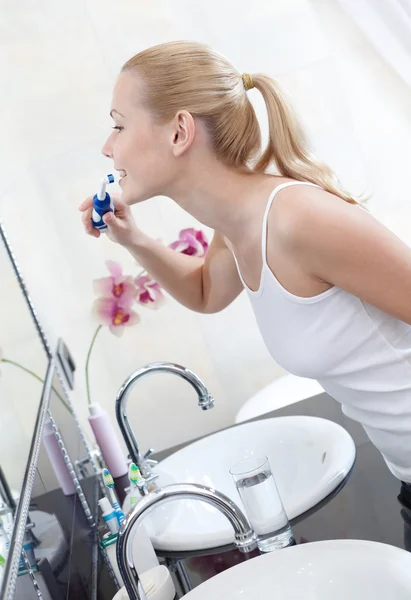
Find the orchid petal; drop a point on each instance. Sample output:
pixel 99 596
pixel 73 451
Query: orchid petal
pixel 114 268
pixel 103 286
pixel 129 292
pixel 133 320
pixel 156 303
pixel 143 297
pixel 102 310
pixel 200 236
pixel 189 231
pixel 195 238
pixel 141 281
pixel 179 246
pixel 117 330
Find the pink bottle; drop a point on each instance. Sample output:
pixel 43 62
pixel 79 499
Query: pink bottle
pixel 107 439
pixel 56 457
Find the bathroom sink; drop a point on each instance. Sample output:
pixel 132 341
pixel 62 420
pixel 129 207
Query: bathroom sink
pixel 337 569
pixel 309 457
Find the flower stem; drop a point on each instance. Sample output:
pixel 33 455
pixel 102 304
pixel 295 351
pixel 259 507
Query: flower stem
pixel 16 364
pixel 88 361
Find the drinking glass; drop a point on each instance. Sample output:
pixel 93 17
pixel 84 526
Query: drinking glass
pixel 258 491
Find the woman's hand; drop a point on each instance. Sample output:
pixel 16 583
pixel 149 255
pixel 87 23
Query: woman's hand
pixel 121 227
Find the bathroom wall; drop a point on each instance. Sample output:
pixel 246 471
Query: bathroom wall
pixel 59 64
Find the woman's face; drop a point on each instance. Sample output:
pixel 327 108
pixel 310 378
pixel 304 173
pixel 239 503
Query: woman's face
pixel 141 150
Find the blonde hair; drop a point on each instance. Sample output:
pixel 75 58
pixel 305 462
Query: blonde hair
pixel 190 76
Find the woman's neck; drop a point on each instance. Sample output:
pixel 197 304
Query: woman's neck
pixel 222 198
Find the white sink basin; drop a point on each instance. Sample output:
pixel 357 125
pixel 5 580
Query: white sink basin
pixel 336 569
pixel 309 457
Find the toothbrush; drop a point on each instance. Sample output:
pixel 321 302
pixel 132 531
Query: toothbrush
pixel 102 203
pixel 109 483
pixel 137 483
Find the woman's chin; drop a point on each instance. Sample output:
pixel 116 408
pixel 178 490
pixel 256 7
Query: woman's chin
pixel 130 197
pixel 127 194
pixel 134 191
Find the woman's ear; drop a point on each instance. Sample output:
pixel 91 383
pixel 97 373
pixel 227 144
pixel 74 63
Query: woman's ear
pixel 183 132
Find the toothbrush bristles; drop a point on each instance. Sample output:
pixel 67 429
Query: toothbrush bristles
pixel 107 478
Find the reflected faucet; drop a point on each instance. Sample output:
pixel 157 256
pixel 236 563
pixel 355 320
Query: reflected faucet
pixel 245 539
pixel 205 402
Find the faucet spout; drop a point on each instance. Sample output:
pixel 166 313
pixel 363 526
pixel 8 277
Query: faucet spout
pixel 205 402
pixel 245 539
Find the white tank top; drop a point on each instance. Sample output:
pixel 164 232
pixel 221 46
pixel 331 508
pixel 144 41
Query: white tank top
pixel 359 354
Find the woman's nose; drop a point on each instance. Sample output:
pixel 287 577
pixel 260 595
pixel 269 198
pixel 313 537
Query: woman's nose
pixel 107 150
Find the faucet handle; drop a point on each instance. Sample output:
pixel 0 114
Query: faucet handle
pixel 146 484
pixel 150 461
pixel 151 477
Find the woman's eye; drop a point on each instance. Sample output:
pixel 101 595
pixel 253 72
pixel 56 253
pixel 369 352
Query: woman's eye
pixel 118 128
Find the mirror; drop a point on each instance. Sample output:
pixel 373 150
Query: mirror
pixel 63 491
pixel 22 372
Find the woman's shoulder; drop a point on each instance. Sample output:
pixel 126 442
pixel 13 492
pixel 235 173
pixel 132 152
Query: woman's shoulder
pixel 298 207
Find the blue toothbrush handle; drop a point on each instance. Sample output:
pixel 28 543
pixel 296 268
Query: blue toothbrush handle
pixel 120 515
pixel 100 208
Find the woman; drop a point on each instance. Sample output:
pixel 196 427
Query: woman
pixel 329 284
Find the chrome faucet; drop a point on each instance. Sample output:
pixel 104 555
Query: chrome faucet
pixel 245 539
pixel 205 402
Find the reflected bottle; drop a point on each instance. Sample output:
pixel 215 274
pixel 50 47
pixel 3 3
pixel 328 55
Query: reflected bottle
pixel 58 463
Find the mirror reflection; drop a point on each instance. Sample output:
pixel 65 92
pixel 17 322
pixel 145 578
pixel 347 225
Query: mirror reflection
pixel 22 370
pixel 23 363
pixel 60 542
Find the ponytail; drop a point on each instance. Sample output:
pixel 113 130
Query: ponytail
pixel 287 147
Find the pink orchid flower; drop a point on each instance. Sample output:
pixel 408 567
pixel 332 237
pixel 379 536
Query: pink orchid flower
pixel 148 292
pixel 118 286
pixel 191 241
pixel 108 311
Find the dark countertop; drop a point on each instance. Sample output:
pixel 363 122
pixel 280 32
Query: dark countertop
pixel 365 508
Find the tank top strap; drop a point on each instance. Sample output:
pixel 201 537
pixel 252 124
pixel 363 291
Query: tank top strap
pixel 267 210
